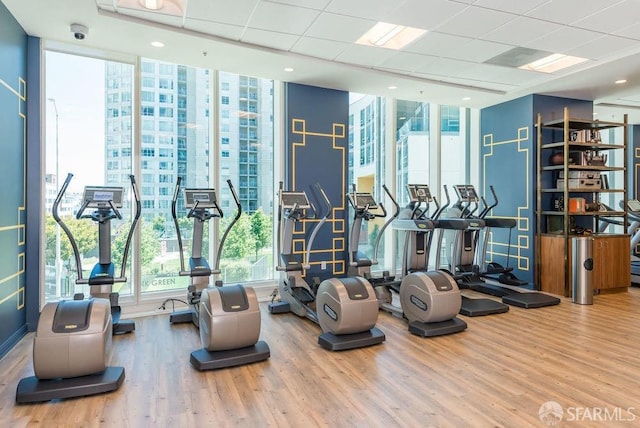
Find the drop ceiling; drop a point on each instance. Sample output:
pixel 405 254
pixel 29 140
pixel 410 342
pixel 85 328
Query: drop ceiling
pixel 449 64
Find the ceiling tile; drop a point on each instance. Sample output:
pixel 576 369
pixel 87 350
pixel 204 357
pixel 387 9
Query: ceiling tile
pixel 377 10
pixel 610 19
pixel 311 4
pixel 604 47
pixel 269 39
pixel 232 32
pixel 508 75
pixel 425 14
pixel 474 22
pixel 567 11
pixel 331 26
pixel 563 40
pixel 282 18
pixel 478 50
pixel 446 67
pixel 218 11
pixel 407 62
pixel 521 30
pixel 436 44
pixel 365 55
pixel 632 31
pixel 319 48
pixel 518 6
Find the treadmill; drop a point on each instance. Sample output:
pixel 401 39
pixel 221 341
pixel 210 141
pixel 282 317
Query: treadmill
pixel 510 296
pixel 419 195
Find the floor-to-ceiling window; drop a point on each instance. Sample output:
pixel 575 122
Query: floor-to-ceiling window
pixel 367 124
pixel 175 140
pixel 89 134
pixel 246 132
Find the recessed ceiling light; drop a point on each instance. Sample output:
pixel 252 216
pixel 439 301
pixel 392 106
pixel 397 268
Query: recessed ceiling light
pixel 466 98
pixel 392 87
pixel 157 44
pixel 152 4
pixel 390 36
pixel 288 69
pixel 621 81
pixel 165 7
pixel 552 63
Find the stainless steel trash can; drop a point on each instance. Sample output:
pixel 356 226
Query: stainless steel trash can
pixel 582 270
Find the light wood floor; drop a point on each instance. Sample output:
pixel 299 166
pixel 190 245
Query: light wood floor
pixel 496 373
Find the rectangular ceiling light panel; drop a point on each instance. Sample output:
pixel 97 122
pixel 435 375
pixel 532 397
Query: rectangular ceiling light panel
pixel 390 36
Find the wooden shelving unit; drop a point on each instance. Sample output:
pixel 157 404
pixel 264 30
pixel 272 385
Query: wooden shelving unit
pixel 569 201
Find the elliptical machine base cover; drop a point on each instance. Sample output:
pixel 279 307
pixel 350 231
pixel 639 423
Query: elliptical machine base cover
pixel 342 342
pixel 440 328
pixel 211 360
pixel 33 390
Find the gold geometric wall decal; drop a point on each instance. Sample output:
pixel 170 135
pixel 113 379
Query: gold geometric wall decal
pixel 338 131
pixel 12 285
pixel 522 220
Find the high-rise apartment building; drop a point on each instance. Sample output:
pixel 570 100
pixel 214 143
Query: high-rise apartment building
pixel 177 135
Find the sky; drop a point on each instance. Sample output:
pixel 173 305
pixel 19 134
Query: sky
pixel 77 84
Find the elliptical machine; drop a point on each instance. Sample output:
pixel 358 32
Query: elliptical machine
pixel 203 206
pixel 346 309
pixel 429 299
pixel 73 339
pixel 228 317
pixel 105 202
pixel 470 257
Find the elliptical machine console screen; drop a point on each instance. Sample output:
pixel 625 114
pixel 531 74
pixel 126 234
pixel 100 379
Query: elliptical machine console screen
pixel 419 192
pixel 100 196
pixel 633 205
pixel 294 199
pixel 205 198
pixel 471 193
pixel 363 200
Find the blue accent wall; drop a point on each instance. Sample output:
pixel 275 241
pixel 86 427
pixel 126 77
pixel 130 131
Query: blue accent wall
pixel 316 151
pixel 13 140
pixel 508 163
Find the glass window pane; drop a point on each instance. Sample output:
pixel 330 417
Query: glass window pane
pixel 247 160
pixel 85 137
pixel 367 144
pixel 180 101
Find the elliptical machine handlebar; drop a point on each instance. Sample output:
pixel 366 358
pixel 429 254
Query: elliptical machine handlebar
pixel 396 213
pixel 323 220
pixel 136 217
pixel 174 215
pixel 216 268
pixel 488 207
pixel 65 228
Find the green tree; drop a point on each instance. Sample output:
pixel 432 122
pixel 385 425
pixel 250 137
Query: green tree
pixel 84 231
pixel 158 224
pixel 149 244
pixel 240 241
pixel 261 230
pixel 372 240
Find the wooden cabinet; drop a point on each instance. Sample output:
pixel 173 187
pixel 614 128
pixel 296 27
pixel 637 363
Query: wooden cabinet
pixel 611 263
pixel 581 188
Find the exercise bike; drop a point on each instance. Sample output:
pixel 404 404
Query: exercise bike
pixel 346 309
pixel 228 317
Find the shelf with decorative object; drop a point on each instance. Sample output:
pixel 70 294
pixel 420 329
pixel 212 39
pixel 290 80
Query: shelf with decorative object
pixel 576 175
